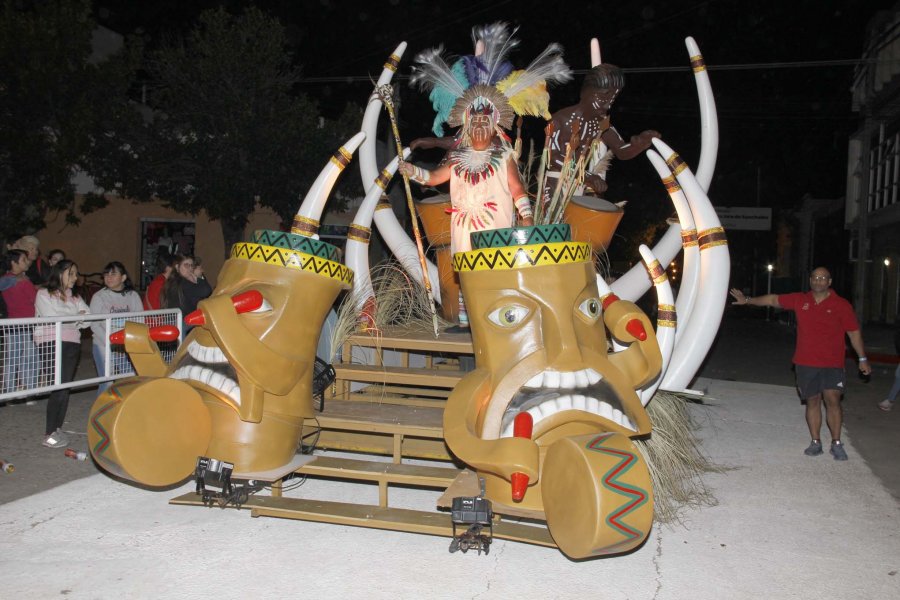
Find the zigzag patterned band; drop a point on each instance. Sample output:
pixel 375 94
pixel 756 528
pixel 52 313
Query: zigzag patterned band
pixel 300 243
pixel 383 179
pixel 671 184
pixel 657 273
pixel 676 164
pixel 359 233
pixel 293 260
pixel 710 238
pixel 341 158
pixel 698 64
pixel 688 238
pixel 392 63
pixel 666 316
pixel 521 236
pixel 522 257
pixel 304 226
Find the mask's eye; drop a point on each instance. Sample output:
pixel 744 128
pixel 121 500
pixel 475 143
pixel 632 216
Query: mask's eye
pixel 264 307
pixel 509 315
pixel 590 308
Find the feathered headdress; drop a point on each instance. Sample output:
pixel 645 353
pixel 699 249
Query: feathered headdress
pixel 488 79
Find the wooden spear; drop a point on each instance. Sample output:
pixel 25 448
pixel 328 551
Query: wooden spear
pixel 386 93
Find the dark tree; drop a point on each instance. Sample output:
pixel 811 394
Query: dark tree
pixel 54 95
pixel 225 130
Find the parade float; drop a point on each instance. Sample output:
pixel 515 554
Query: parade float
pixel 541 438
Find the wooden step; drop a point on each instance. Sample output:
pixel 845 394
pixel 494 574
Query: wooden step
pixel 367 470
pixel 415 339
pixel 439 378
pixel 418 421
pixel 375 517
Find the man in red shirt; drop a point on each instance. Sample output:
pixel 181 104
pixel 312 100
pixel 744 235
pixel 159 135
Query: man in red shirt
pixel 823 318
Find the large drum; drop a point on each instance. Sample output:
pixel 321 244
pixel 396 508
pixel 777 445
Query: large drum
pixel 149 430
pixel 598 496
pixel 593 220
pixel 436 222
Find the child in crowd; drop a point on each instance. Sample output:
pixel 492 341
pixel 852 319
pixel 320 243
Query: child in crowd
pixel 18 300
pixel 56 299
pixel 117 297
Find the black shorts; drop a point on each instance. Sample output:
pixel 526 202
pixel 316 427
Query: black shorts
pixel 812 381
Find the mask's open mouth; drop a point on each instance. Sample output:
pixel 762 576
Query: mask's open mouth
pixel 209 366
pixel 552 392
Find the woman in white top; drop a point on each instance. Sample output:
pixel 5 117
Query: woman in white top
pixel 56 299
pixel 117 297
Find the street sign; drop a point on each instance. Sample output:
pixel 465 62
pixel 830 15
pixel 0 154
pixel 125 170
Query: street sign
pixel 749 218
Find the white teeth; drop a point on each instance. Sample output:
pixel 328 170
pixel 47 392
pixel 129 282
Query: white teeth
pixel 206 354
pixel 535 413
pixel 564 402
pixel 536 381
pixel 567 380
pixel 581 379
pixel 606 410
pixel 216 380
pixel 578 402
pixel 593 406
pixel 551 379
pixel 617 416
pixel 211 378
pixel 593 376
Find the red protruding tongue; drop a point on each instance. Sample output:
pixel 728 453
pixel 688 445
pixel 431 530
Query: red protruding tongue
pixel 160 333
pixel 636 328
pixel 244 302
pixel 522 428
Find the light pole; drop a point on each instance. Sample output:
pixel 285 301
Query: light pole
pixel 769 267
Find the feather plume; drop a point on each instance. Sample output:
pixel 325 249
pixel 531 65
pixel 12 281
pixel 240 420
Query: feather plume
pixel 549 66
pixel 431 70
pixel 533 101
pixel 498 43
pixel 442 99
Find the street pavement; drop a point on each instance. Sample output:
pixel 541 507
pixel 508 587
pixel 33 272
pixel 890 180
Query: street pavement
pixel 784 526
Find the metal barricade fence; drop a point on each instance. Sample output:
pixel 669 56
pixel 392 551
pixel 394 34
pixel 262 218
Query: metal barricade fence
pixel 30 350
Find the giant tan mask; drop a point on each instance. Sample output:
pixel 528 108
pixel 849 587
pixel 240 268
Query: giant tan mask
pixel 539 332
pixel 240 385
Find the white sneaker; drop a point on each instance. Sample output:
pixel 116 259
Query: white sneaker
pixel 57 439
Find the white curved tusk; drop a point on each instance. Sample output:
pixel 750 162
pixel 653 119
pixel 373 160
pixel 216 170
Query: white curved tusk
pixel 395 237
pixel 709 123
pixel 357 249
pixel 665 321
pixel 715 266
pixel 635 283
pixel 595 52
pixel 690 269
pixel 368 164
pixel 306 222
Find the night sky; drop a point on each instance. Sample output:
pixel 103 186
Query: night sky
pixel 783 129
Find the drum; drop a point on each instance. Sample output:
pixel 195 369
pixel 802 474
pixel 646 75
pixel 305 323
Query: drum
pixel 149 430
pixel 593 220
pixel 436 222
pixel 597 493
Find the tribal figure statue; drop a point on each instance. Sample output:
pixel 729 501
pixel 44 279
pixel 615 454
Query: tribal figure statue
pixel 240 385
pixel 546 416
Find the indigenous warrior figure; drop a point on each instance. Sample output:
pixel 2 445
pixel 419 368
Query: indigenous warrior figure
pixel 588 122
pixel 482 93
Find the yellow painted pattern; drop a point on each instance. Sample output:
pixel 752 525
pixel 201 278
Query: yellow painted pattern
pixel 292 259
